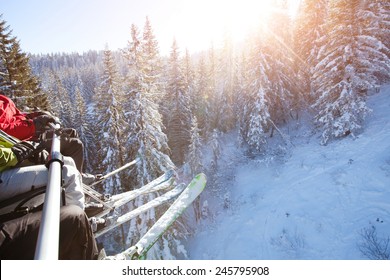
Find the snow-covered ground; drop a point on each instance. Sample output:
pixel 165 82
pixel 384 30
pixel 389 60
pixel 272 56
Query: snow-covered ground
pixel 306 202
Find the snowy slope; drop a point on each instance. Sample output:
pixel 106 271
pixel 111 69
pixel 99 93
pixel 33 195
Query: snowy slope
pixel 313 202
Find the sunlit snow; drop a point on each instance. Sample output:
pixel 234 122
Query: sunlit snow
pixel 306 201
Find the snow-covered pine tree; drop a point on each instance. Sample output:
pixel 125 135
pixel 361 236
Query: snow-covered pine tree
pixel 195 156
pixel 16 78
pixel 145 136
pixel 212 101
pixel 216 148
pixel 267 80
pixel 80 113
pixel 375 29
pixel 279 56
pixel 242 97
pixel 346 70
pixel 189 77
pixel 110 120
pixel 90 77
pixel 256 116
pixel 258 123
pixel 226 87
pixel 69 79
pixel 146 119
pixel 201 98
pixel 151 63
pixel 178 102
pixel 308 29
pixel 59 99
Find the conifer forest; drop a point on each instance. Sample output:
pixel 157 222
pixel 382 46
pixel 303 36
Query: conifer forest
pixel 163 108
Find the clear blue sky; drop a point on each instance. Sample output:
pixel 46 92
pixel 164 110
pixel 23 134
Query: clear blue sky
pixel 47 26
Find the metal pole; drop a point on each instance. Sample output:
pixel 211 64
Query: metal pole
pixel 115 172
pixel 49 231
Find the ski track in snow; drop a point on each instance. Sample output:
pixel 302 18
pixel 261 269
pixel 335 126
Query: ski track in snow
pixel 312 206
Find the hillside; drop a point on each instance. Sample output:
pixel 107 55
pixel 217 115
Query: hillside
pixel 306 201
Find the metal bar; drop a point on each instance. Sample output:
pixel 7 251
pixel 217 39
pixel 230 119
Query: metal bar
pixel 49 231
pixel 127 165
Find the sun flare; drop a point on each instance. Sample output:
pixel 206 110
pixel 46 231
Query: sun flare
pixel 205 22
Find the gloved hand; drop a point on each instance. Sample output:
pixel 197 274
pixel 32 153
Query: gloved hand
pixel 68 136
pixel 35 114
pixel 39 157
pixel 41 123
pixel 89 179
pixel 25 150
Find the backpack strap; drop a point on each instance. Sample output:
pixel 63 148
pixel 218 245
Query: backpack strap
pixel 19 213
pixel 21 205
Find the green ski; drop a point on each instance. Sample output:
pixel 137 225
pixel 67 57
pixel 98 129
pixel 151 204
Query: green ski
pixel 191 192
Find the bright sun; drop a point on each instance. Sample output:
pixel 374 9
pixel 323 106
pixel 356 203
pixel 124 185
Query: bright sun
pixel 203 22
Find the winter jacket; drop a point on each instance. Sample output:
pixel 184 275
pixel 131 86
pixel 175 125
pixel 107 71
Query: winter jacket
pixel 18 180
pixel 7 158
pixel 14 122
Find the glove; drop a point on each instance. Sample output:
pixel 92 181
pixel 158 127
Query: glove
pixel 64 132
pixel 35 114
pixel 25 150
pixel 41 123
pixel 89 179
pixel 68 136
pixel 39 157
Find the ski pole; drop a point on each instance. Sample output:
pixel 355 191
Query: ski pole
pixel 49 231
pixel 8 138
pixel 114 172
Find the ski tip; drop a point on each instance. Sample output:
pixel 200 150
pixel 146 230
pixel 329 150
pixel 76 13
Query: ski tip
pixel 201 176
pixel 199 180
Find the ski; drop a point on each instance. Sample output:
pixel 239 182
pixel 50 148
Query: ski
pixel 160 200
pixel 127 165
pixel 161 183
pixel 98 196
pixel 139 250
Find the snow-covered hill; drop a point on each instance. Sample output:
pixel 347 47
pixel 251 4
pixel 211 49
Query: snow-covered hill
pixel 306 202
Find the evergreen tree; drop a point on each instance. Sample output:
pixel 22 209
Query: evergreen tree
pixel 17 80
pixel 90 78
pixel 67 83
pixel 59 100
pixel 6 42
pixel 346 70
pixel 151 62
pixel 145 135
pixel 178 102
pixel 258 122
pixel 216 148
pixel 308 29
pixel 256 116
pixel 109 100
pixel 242 97
pixel 225 89
pixel 279 56
pixel 375 19
pixel 195 156
pixel 79 109
pixel 268 80
pixel 200 98
pixel 82 126
pixel 212 101
pixel 189 77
